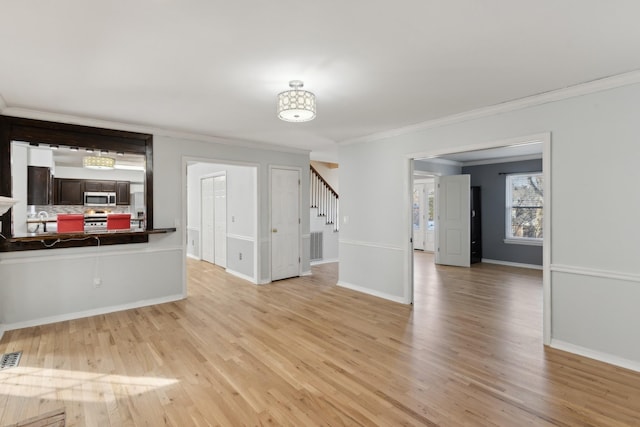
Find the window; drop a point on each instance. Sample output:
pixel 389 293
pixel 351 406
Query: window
pixel 524 208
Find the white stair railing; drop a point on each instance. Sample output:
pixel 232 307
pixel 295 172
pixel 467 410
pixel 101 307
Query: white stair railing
pixel 325 199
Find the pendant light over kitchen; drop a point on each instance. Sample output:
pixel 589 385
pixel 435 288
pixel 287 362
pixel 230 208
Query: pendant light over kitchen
pixel 98 162
pixel 296 105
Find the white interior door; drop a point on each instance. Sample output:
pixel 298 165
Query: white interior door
pixel 207 220
pixel 418 215
pixel 430 215
pixel 285 223
pixel 220 220
pixel 452 220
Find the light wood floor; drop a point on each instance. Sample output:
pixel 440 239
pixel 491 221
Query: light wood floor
pixel 304 352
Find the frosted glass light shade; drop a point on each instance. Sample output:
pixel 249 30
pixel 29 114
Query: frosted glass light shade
pixel 98 162
pixel 296 105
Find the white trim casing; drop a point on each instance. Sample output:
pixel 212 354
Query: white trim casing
pixel 545 139
pixel 89 313
pixel 596 355
pixel 372 292
pixel 241 276
pixel 604 274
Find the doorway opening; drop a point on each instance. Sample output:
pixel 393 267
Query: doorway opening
pixel 222 216
pixel 496 160
pixel 423 211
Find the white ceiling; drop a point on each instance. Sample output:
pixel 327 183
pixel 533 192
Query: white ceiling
pixel 214 68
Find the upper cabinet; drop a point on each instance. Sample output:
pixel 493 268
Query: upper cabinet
pixel 68 191
pixel 71 191
pixel 39 185
pixel 99 185
pixel 123 193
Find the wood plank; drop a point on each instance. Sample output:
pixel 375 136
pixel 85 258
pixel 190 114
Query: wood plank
pixel 306 352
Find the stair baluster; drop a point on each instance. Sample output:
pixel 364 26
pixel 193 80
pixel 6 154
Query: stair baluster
pixel 324 199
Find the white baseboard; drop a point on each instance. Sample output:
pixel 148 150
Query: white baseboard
pixel 373 292
pixel 94 312
pixel 241 276
pixel 596 355
pixel 324 261
pixel 193 257
pixel 306 273
pixel 512 264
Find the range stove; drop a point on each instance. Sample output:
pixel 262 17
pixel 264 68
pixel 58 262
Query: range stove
pixel 95 222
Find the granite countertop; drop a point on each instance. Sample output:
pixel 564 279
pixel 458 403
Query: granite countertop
pixel 40 221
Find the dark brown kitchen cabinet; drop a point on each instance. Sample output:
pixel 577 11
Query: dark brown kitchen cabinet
pixel 39 186
pixel 123 194
pixel 476 225
pixel 69 191
pixel 99 185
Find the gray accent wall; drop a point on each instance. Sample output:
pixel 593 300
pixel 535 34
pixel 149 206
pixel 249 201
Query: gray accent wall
pixel 492 199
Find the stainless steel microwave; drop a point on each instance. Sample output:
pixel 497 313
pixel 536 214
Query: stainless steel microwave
pixel 99 198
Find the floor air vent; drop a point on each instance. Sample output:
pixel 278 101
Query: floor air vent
pixel 10 360
pixel 316 245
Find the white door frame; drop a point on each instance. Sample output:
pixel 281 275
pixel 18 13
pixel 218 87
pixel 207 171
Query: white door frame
pixel 202 221
pixel 545 139
pixel 299 170
pixel 421 209
pixel 186 160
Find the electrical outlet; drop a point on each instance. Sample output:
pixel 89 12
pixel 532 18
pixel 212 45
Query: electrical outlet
pixel 97 282
pixel 240 256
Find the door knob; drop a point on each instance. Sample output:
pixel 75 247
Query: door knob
pixel 275 230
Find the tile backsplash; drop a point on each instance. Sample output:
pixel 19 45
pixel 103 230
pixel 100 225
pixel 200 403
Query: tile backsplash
pixel 53 210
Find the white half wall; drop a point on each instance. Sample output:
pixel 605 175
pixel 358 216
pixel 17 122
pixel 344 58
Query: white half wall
pixel 595 134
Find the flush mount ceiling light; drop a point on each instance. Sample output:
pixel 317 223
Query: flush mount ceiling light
pixel 98 162
pixel 296 105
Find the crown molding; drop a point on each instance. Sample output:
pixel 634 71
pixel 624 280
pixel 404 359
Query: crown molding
pixel 581 89
pixel 155 131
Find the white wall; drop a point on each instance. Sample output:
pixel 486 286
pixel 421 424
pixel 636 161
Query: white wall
pixel 50 285
pixel 595 272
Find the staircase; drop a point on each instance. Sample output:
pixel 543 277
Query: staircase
pixel 324 220
pixel 324 199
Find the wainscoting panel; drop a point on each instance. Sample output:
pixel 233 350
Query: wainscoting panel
pixel 595 312
pixel 375 269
